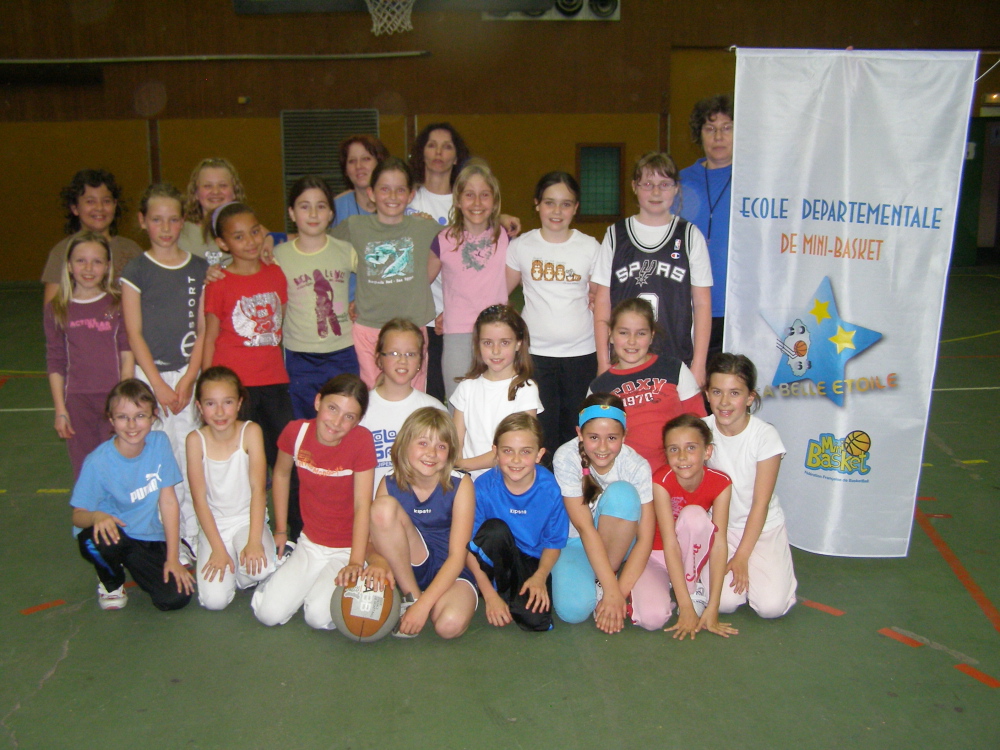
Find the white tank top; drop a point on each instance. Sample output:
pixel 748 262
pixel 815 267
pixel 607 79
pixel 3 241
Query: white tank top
pixel 228 484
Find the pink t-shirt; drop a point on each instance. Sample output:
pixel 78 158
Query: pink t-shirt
pixel 473 274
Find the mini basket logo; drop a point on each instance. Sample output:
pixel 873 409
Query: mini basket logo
pixel 847 455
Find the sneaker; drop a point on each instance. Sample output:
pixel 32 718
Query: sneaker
pixel 186 554
pixel 289 549
pixel 699 598
pixel 111 599
pixel 599 591
pixel 405 603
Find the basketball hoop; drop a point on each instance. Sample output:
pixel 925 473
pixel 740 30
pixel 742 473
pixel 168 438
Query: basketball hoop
pixel 390 16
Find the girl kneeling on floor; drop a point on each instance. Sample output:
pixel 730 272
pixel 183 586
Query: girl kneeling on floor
pixel 335 460
pixel 227 473
pixel 607 491
pixel 421 524
pixel 689 552
pixel 125 504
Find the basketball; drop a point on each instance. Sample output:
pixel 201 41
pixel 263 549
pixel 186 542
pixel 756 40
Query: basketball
pixel 857 443
pixel 363 614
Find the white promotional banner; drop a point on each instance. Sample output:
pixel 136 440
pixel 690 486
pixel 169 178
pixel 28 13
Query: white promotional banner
pixel 844 198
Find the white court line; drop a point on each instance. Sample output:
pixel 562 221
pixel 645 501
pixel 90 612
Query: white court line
pixel 984 388
pixel 44 408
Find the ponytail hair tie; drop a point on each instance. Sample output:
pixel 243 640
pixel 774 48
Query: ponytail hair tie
pixel 586 471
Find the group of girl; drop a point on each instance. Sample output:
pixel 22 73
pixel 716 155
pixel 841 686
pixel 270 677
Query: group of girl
pixel 284 332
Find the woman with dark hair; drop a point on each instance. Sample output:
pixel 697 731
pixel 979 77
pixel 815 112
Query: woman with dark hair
pixel 706 192
pixel 359 155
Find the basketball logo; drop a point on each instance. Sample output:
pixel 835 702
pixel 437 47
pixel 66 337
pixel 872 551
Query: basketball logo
pixel 857 443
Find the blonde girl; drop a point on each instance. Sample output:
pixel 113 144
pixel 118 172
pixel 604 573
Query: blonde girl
pixel 498 383
pixel 607 491
pixel 554 266
pixel 125 504
pixel 421 525
pixel 87 348
pixel 392 268
pixel 214 182
pixel 227 473
pixel 399 352
pixel 654 388
pixel 689 551
pixel 161 303
pixel 749 450
pixel 471 257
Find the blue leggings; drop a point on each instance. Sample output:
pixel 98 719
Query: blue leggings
pixel 574 595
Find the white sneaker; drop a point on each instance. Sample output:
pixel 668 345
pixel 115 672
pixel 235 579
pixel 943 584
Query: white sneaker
pixel 289 549
pixel 599 591
pixel 405 602
pixel 111 599
pixel 187 554
pixel 699 598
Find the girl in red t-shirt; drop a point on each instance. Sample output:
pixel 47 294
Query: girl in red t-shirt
pixel 692 504
pixel 243 315
pixel 335 461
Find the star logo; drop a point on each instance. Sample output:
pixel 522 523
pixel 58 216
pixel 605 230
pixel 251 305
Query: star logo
pixel 817 342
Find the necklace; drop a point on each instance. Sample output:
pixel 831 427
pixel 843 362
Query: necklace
pixel 711 204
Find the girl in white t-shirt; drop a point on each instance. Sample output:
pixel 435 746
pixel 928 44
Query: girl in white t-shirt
pixel 498 384
pixel 749 451
pixel 399 351
pixel 470 256
pixel 554 266
pixel 607 490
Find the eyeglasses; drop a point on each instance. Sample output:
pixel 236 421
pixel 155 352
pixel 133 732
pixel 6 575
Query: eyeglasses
pixel 710 130
pixel 397 355
pixel 661 186
pixel 124 419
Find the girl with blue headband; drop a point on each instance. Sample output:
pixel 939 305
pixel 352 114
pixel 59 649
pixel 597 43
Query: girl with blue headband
pixel 607 491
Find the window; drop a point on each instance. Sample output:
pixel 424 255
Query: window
pixel 599 170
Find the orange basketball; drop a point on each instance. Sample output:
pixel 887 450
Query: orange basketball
pixel 363 614
pixel 801 348
pixel 857 443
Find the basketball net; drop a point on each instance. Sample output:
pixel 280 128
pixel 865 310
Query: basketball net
pixel 390 16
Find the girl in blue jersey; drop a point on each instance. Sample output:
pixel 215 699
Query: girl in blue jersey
pixel 521 527
pixel 421 524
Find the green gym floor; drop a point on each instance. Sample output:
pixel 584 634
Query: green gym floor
pixel 897 653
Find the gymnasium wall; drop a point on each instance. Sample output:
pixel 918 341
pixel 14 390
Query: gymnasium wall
pixel 523 93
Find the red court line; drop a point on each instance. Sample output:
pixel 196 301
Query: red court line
pixel 822 607
pixel 130 584
pixel 977 675
pixel 890 633
pixel 3 382
pixel 959 570
pixel 40 607
pixel 924 497
pixel 938 515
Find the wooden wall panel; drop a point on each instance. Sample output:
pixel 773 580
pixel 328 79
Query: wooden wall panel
pixel 41 158
pixel 253 145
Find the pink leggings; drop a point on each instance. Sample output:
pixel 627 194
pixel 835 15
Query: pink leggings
pixel 651 604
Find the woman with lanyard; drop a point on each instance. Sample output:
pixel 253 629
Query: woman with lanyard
pixel 706 192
